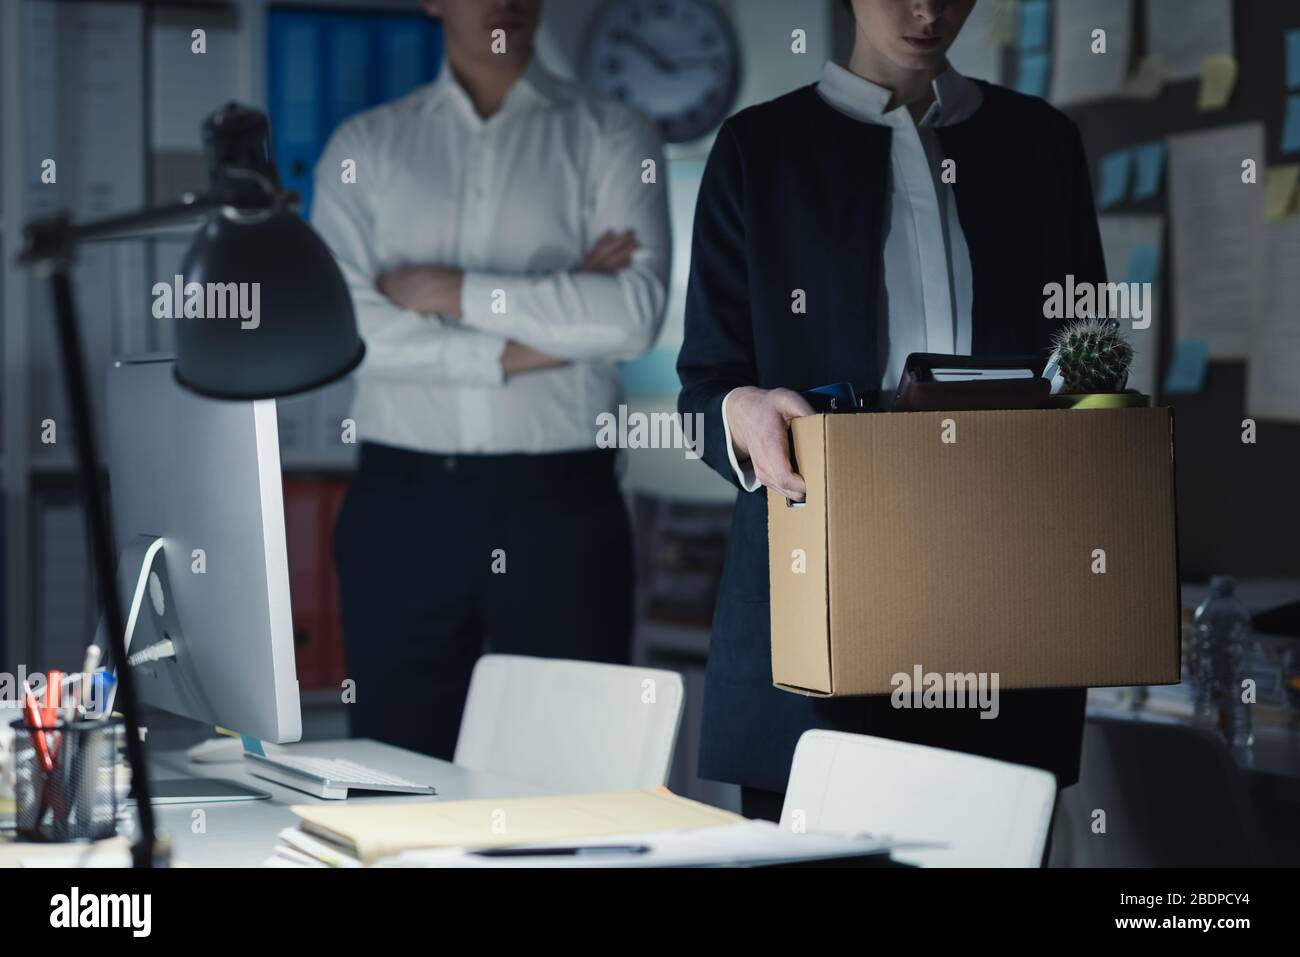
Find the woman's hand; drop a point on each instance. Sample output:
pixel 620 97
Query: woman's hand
pixel 759 420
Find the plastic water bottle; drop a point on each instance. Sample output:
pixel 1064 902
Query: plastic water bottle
pixel 1221 628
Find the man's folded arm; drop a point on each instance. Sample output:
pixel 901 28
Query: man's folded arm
pixel 579 315
pixel 400 344
pixel 718 348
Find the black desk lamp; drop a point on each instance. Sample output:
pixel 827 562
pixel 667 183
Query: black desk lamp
pixel 305 336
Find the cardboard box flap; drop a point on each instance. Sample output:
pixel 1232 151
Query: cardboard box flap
pixel 797 569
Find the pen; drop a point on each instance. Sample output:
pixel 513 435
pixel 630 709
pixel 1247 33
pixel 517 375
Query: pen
pixel 32 712
pixel 562 851
pixel 97 705
pixel 88 667
pixel 53 696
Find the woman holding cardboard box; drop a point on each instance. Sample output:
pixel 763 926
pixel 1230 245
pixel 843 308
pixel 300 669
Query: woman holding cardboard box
pixel 893 207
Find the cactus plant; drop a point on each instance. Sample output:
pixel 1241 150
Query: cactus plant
pixel 1093 356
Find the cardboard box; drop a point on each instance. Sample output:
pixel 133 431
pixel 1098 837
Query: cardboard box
pixel 962 542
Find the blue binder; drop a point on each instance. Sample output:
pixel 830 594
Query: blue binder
pixel 323 67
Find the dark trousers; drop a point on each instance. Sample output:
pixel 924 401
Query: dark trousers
pixel 765 805
pixel 441 558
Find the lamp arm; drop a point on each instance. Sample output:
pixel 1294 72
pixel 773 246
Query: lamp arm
pixel 143 850
pixel 54 238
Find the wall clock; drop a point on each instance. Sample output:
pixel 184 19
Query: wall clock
pixel 676 61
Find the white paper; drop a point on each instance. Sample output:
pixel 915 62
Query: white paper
pixel 975 52
pixel 984 375
pixel 1273 373
pixel 1120 235
pixel 1215 222
pixel 1185 32
pixel 1078 74
pixel 187 86
pixel 750 843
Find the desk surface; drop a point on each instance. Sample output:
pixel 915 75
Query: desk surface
pixel 243 833
pixel 1272 764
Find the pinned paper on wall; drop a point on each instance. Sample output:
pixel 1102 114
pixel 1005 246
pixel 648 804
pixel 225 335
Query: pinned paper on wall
pixel 1187 369
pixel 1272 386
pixel 1280 190
pixel 1215 222
pixel 1293 59
pixel 1291 124
pixel 1003 18
pixel 1148 79
pixel 1081 72
pixel 1033 25
pixel 1114 173
pixel 1218 79
pixel 977 51
pixel 1132 244
pixel 1149 159
pixel 1185 32
pixel 1033 72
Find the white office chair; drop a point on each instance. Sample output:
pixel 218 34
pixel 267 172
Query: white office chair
pixel 1172 795
pixel 570 726
pixel 988 813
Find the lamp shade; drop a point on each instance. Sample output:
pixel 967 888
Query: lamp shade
pixel 261 310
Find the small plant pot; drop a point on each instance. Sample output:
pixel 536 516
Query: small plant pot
pixel 1128 399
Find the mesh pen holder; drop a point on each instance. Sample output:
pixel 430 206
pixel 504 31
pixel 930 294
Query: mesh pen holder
pixel 78 799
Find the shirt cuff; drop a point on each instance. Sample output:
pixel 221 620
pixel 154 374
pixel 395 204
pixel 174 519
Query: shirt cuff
pixel 483 359
pixel 476 292
pixel 744 473
pixel 476 355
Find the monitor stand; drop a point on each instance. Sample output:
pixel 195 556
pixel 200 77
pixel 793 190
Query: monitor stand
pixel 164 791
pixel 179 776
pixel 153 637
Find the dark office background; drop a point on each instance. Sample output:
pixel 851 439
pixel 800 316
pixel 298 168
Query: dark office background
pixel 1238 505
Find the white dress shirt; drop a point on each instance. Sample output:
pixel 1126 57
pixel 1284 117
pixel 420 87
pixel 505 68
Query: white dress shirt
pixel 515 201
pixel 926 296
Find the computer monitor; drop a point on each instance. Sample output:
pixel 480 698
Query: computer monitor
pixel 198 515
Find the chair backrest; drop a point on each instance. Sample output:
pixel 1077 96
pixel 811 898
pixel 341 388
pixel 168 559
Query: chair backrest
pixel 571 726
pixel 987 813
pixel 1170 795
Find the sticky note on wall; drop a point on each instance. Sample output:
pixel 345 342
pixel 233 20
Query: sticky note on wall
pixel 1187 368
pixel 1033 72
pixel 1280 190
pixel 1218 80
pixel 1292 59
pixel 1114 173
pixel 1149 159
pixel 1149 78
pixel 1291 124
pixel 1033 25
pixel 1143 264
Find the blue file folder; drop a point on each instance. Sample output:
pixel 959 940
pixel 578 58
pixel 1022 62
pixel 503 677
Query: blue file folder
pixel 323 67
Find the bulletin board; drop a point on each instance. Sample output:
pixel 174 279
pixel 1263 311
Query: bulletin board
pixel 1238 504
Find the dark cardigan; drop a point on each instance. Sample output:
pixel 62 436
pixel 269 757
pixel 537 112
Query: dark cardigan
pixel 793 197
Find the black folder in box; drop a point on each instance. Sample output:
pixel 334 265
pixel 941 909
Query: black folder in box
pixel 932 382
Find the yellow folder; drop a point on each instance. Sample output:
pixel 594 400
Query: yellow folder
pixel 373 831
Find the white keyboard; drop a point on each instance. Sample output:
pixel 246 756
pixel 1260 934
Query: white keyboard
pixel 330 778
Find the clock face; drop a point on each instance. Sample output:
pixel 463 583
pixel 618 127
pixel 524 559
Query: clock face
pixel 676 61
